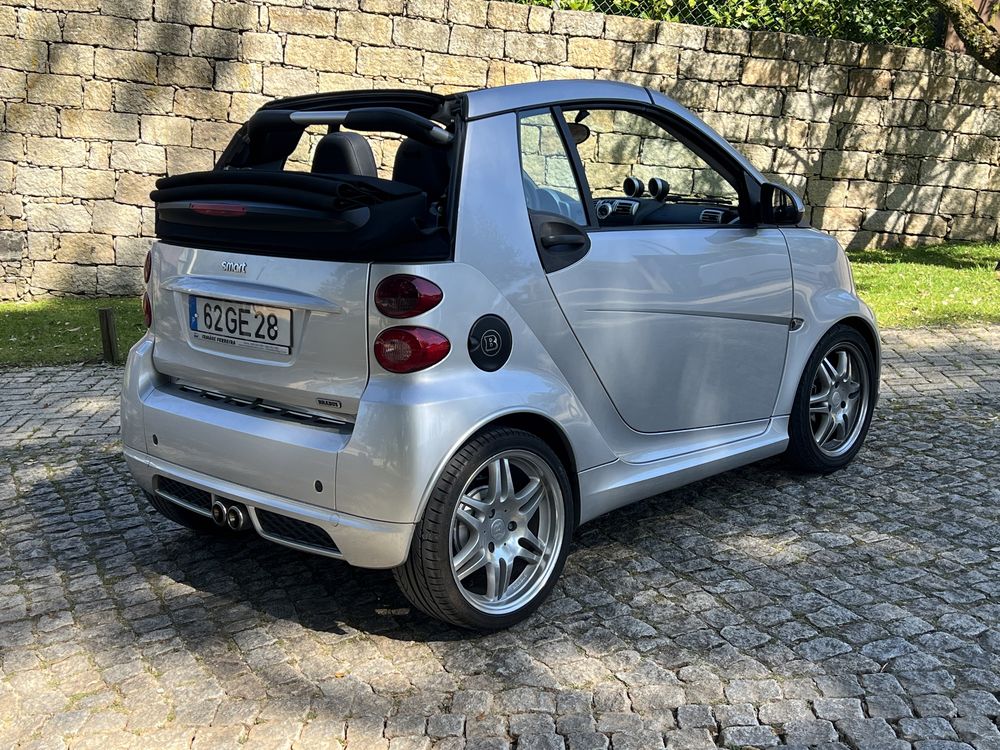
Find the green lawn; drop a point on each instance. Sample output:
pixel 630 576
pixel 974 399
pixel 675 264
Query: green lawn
pixel 907 287
pixel 61 331
pixel 926 286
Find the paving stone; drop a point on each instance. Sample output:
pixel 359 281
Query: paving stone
pixel 835 709
pixel 541 742
pixel 866 732
pixel 934 706
pixel 973 702
pixel 741 714
pixel 926 729
pixel 783 712
pixel 810 732
pixel 695 716
pixel 690 739
pixel 887 707
pixel 785 607
pixel 759 736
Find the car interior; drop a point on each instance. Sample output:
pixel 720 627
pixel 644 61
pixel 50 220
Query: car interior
pixel 704 196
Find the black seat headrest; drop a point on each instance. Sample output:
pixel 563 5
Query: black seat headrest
pixel 422 166
pixel 344 153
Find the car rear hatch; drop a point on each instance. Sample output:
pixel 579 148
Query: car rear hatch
pixel 289 332
pixel 259 283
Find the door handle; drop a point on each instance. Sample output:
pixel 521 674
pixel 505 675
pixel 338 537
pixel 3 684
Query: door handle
pixel 574 240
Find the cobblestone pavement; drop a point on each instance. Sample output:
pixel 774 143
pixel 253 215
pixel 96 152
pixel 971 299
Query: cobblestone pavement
pixel 756 608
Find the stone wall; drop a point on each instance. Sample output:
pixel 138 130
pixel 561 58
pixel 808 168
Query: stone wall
pixel 99 97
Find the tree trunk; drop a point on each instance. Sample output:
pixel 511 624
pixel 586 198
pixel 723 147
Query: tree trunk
pixel 981 40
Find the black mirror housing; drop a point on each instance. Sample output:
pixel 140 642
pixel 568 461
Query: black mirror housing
pixel 779 205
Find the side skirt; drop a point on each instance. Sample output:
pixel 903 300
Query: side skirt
pixel 604 488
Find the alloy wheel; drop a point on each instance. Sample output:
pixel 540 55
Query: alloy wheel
pixel 838 399
pixel 507 532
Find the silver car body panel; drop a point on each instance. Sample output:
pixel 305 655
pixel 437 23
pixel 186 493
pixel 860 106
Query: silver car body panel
pixel 683 311
pixel 329 301
pixel 619 483
pixel 489 102
pixel 824 295
pixel 631 434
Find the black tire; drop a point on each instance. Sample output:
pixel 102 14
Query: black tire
pixel 803 451
pixel 426 578
pixel 186 518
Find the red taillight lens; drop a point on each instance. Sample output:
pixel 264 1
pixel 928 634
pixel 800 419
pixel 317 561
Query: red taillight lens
pixel 408 348
pixel 403 296
pixel 147 267
pixel 147 310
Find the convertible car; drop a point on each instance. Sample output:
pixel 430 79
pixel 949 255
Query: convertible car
pixel 438 333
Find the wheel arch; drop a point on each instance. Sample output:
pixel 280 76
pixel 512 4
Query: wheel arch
pixel 867 330
pixel 549 431
pixel 537 424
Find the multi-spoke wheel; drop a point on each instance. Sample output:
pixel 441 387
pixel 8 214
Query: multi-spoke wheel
pixel 494 537
pixel 834 402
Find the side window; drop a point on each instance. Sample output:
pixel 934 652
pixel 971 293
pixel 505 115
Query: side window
pixel 615 145
pixel 546 169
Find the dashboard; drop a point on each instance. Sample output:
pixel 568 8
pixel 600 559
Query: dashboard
pixel 661 207
pixel 616 212
pixel 634 208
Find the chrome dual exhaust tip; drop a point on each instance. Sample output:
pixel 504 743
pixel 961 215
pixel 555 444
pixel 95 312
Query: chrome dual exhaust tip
pixel 232 516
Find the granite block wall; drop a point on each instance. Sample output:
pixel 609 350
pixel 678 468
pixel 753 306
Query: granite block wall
pixel 100 97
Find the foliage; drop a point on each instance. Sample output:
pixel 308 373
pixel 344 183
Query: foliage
pixel 939 285
pixel 882 21
pixel 907 287
pixel 63 331
pixel 872 21
pixel 980 35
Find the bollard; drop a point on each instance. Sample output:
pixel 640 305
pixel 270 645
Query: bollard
pixel 109 334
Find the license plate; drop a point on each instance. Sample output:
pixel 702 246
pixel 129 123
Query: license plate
pixel 241 324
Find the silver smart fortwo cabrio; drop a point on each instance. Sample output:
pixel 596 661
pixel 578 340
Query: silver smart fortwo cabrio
pixel 437 333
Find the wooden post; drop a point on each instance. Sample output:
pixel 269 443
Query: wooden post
pixel 109 334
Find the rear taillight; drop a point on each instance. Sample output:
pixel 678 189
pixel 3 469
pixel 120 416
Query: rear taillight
pixel 147 310
pixel 403 296
pixel 408 348
pixel 147 267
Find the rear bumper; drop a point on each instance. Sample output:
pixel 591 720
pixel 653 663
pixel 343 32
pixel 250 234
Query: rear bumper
pixel 270 465
pixel 360 541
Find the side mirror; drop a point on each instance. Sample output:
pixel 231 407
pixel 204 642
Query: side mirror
pixel 779 205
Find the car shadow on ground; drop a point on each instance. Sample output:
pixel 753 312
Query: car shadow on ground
pixel 681 578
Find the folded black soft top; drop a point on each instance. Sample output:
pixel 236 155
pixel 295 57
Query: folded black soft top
pixel 307 215
pixel 423 103
pixel 250 203
pixel 280 187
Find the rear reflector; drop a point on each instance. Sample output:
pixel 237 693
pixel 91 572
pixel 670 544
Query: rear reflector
pixel 147 310
pixel 147 267
pixel 219 209
pixel 404 296
pixel 408 348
